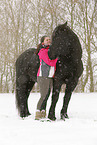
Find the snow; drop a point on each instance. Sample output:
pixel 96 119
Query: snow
pixel 79 129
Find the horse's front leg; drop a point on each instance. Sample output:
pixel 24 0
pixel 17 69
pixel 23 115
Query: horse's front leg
pixel 66 100
pixel 68 92
pixel 55 96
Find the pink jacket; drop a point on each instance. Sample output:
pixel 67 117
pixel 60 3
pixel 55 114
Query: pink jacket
pixel 43 55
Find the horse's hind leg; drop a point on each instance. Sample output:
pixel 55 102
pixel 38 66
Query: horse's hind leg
pixel 30 85
pixel 22 93
pixel 68 92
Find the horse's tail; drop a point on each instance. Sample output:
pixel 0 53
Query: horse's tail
pixel 17 100
pixel 17 88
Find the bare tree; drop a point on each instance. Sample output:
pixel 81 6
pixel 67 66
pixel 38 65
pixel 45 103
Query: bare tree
pixel 23 22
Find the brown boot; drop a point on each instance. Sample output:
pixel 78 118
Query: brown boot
pixel 43 112
pixel 38 115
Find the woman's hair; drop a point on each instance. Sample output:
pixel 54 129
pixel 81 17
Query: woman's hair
pixel 39 45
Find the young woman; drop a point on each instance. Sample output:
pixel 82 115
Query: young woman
pixel 44 76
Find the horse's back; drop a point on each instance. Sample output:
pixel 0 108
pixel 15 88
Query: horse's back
pixel 25 54
pixel 27 63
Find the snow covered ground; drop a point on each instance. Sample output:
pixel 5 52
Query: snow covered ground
pixel 80 129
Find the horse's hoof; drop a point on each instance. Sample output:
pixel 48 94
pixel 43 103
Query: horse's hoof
pixel 23 115
pixel 53 118
pixel 28 114
pixel 64 116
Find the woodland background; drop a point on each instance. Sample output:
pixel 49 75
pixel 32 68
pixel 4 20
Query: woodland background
pixel 23 22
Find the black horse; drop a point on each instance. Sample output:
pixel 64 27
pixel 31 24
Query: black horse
pixel 66 46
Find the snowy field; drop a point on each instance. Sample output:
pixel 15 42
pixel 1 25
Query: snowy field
pixel 80 129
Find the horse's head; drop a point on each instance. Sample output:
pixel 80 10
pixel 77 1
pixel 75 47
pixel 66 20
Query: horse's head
pixel 60 41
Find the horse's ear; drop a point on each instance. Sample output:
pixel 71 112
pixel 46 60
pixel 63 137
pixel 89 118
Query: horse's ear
pixel 65 24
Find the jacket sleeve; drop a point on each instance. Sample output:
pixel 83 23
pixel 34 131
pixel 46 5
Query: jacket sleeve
pixel 43 54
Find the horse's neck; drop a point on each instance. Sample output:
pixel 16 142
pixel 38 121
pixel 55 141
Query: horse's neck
pixel 64 59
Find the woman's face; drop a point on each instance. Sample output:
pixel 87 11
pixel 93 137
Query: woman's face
pixel 47 41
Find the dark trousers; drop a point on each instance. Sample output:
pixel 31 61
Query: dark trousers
pixel 45 85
